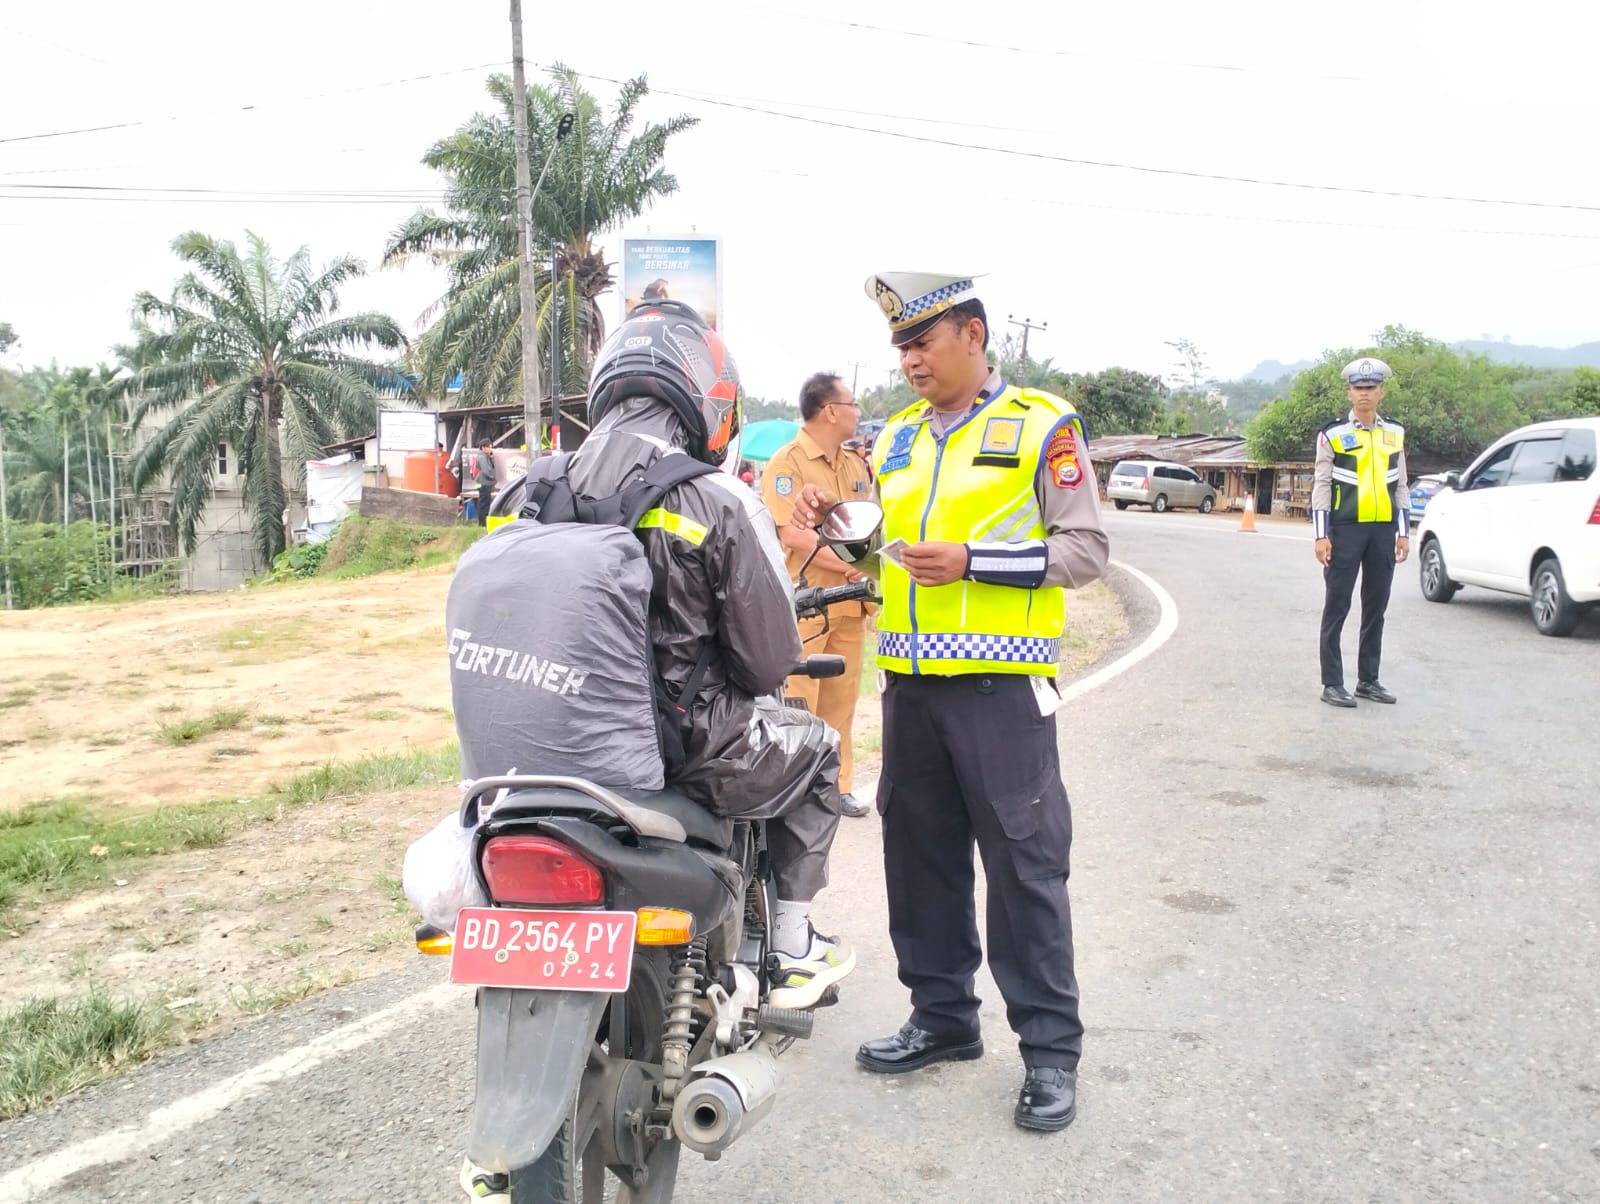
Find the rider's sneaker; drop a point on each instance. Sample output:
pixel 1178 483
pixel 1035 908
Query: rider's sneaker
pixel 800 982
pixel 486 1187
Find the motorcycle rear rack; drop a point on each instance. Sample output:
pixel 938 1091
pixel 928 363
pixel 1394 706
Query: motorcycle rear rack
pixel 642 820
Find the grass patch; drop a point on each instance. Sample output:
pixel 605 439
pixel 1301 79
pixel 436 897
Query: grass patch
pixel 188 730
pixel 383 771
pixel 262 643
pixel 364 546
pixel 16 697
pixel 257 1003
pixel 61 845
pixel 66 843
pixel 373 696
pixel 381 716
pixel 49 1047
pixel 271 720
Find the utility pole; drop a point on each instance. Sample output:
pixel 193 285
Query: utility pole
pixel 555 347
pixel 5 520
pixel 1027 328
pixel 532 428
pixel 855 377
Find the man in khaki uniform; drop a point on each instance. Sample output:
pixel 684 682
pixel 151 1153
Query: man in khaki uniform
pixel 818 457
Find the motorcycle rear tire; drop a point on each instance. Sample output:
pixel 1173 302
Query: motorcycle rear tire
pixel 569 1171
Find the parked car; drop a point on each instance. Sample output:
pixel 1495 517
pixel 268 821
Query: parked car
pixel 1159 485
pixel 1421 490
pixel 1524 519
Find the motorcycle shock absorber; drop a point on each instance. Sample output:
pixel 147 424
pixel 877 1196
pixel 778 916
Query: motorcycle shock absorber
pixel 678 1029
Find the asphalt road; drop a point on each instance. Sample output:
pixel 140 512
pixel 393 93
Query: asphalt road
pixel 1325 955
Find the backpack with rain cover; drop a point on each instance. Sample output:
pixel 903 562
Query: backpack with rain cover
pixel 548 619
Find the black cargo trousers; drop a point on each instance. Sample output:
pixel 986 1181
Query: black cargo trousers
pixel 1367 549
pixel 970 759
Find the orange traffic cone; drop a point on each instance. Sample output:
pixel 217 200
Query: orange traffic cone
pixel 1247 521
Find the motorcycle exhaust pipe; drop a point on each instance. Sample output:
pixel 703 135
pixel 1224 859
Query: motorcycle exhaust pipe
pixel 726 1097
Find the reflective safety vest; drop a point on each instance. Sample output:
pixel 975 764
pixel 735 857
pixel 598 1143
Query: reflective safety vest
pixel 976 483
pixel 1366 465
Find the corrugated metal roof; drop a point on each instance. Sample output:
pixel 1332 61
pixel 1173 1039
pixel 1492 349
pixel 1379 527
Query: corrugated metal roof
pixel 1179 449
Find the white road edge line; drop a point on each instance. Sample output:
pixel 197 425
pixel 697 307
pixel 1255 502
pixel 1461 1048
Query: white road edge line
pixel 20 1185
pixel 1164 628
pixel 23 1183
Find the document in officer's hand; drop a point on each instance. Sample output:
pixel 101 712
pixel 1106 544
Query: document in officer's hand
pixel 892 550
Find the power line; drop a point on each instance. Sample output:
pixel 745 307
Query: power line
pixel 371 195
pixel 1052 52
pixel 1183 173
pixel 128 125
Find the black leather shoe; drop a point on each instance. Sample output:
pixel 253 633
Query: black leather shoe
pixel 1373 692
pixel 1049 1099
pixel 853 807
pixel 1337 696
pixel 913 1048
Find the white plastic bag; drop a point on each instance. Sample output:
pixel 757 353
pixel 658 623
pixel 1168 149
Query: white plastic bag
pixel 438 874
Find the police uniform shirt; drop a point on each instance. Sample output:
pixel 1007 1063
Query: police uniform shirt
pixel 803 462
pixel 1077 548
pixel 1322 476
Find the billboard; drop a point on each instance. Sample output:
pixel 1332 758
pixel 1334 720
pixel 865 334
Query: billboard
pixel 685 268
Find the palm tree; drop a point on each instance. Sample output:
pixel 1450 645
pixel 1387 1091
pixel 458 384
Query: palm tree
pixel 253 351
pixel 598 177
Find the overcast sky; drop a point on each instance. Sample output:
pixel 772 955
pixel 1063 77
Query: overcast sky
pixel 1463 99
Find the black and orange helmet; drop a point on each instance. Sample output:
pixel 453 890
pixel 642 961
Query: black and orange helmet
pixel 665 350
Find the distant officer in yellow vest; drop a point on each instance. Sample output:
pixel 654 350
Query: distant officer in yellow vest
pixel 817 457
pixel 991 511
pixel 1361 516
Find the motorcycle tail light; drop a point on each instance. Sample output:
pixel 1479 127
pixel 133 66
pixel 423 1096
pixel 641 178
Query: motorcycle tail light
pixel 539 871
pixel 1594 515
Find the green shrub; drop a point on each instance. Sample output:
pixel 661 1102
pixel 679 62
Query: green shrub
pixel 51 565
pixel 302 560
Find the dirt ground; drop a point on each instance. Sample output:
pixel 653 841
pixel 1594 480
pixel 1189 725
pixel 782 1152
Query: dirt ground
pixel 286 908
pixel 318 671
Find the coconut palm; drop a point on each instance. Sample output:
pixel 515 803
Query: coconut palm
pixel 599 177
pixel 254 351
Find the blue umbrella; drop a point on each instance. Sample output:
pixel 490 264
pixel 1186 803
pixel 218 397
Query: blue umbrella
pixel 761 440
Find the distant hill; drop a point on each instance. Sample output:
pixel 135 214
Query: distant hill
pixel 1270 371
pixel 1585 355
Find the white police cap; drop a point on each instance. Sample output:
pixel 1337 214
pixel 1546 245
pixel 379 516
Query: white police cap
pixel 1367 371
pixel 913 300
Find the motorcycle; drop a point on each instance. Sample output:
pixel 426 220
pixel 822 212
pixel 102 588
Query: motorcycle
pixel 622 970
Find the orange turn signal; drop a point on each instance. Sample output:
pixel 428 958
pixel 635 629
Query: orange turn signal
pixel 664 926
pixel 441 943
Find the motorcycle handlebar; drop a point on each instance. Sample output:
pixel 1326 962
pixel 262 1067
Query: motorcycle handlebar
pixel 814 599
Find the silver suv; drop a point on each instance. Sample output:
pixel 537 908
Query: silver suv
pixel 1159 485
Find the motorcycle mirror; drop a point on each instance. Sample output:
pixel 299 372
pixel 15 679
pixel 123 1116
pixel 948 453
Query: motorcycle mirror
pixel 848 528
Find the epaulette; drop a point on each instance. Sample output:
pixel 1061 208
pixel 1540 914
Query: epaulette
pixel 1026 398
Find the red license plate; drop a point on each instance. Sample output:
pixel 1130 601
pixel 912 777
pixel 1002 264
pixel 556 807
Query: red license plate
pixel 543 950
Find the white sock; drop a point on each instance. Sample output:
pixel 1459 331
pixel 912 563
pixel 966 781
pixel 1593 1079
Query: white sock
pixel 791 928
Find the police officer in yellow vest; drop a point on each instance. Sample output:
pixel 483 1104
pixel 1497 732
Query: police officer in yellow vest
pixel 991 511
pixel 1360 511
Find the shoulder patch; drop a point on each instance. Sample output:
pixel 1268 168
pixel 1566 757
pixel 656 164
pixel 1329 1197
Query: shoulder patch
pixel 783 483
pixel 1061 454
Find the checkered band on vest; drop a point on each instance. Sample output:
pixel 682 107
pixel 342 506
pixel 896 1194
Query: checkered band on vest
pixel 969 646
